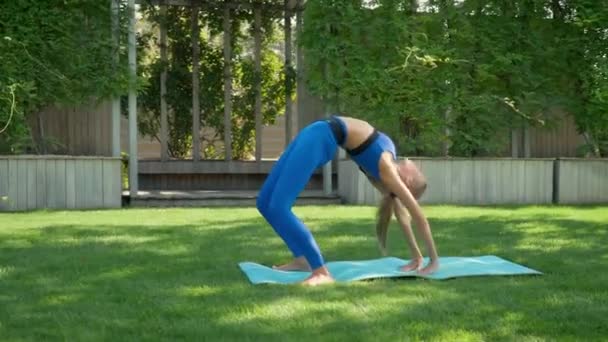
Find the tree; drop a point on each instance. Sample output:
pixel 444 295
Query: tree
pixel 51 53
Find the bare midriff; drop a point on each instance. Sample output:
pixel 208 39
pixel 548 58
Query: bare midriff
pixel 357 131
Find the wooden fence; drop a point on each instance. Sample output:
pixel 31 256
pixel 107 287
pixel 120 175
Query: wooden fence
pixel 582 181
pixel 464 181
pixel 59 182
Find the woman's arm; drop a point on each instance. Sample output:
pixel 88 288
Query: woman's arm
pixel 393 183
pixel 404 220
pixel 388 205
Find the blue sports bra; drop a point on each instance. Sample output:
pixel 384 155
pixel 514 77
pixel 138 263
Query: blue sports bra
pixel 367 155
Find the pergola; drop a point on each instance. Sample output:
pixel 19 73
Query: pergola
pixel 289 8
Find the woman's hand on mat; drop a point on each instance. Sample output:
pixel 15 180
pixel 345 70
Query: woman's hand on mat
pixel 414 265
pixel 430 268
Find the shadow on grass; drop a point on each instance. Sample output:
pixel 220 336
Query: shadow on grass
pixel 182 282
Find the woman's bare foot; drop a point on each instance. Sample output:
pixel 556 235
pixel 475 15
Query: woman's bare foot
pixel 320 276
pixel 414 265
pixel 298 264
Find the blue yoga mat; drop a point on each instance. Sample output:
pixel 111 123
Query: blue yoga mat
pixel 345 271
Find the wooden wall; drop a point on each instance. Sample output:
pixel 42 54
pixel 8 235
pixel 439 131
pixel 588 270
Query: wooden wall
pixel 560 139
pixel 84 130
pixel 273 140
pixel 59 182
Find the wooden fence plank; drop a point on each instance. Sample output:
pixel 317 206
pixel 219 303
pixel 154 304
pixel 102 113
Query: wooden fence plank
pixel 519 171
pixel 22 184
pixel 80 183
pixel 60 188
pixel 112 188
pixel 88 184
pixel 4 179
pixel 41 184
pixel 51 184
pixel 97 184
pixel 13 184
pixel 118 187
pixel 31 184
pixel 544 190
pixel 70 184
pixel 480 182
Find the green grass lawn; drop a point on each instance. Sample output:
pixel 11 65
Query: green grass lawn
pixel 134 275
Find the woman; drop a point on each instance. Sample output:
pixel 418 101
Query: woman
pixel 400 182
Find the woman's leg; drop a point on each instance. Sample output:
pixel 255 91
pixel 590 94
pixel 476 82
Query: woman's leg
pixel 265 194
pixel 287 179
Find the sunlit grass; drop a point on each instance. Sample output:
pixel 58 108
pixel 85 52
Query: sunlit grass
pixel 171 274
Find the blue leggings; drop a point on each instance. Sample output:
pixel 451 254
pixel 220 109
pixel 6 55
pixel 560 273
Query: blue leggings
pixel 313 147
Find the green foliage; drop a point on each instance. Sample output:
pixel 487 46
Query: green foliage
pixel 14 132
pixel 492 65
pixel 590 21
pixel 51 52
pixel 211 79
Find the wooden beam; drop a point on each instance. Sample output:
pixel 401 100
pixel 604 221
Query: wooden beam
pixel 132 56
pixel 257 12
pixel 218 3
pixel 288 81
pixel 115 7
pixel 164 120
pixel 227 85
pixel 196 108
